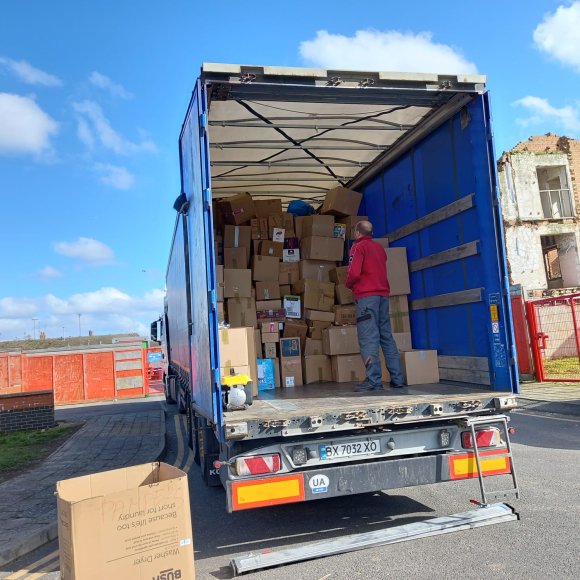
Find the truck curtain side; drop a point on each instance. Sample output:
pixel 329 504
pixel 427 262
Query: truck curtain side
pixel 419 148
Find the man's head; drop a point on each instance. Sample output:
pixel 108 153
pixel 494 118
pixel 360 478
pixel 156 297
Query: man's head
pixel 362 229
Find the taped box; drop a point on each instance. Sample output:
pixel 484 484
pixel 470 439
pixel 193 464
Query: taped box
pixel 317 369
pixel 340 340
pixel 347 368
pixel 133 522
pixel 291 371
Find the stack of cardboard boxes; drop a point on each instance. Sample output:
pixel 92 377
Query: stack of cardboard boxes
pixel 281 280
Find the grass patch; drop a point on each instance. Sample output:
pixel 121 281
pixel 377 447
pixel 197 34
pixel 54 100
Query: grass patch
pixel 23 449
pixel 568 367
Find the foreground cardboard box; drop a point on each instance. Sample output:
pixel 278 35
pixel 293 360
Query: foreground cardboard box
pixel 347 368
pixel 127 523
pixel 237 349
pixel 340 340
pixel 420 367
pixel 317 369
pixel 291 371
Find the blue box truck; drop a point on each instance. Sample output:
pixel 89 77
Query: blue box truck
pixel 419 147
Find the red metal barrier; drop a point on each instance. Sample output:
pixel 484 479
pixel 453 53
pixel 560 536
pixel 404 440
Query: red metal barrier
pixel 555 337
pixel 522 335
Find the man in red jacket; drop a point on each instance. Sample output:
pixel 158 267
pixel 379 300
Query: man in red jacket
pixel 367 278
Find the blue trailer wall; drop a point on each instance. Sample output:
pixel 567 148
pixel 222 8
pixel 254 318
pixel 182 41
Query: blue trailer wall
pixel 452 162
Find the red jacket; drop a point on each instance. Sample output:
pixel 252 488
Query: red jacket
pixel 367 270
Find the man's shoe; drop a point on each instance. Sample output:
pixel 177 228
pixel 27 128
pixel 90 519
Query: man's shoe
pixel 366 387
pixel 395 386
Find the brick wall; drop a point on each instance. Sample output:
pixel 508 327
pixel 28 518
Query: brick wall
pixel 26 411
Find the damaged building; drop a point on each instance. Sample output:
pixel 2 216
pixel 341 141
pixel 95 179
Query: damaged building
pixel 540 192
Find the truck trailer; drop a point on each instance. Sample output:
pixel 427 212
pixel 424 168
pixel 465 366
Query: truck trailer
pixel 419 147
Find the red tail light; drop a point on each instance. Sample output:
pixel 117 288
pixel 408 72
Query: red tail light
pixel 258 464
pixel 485 438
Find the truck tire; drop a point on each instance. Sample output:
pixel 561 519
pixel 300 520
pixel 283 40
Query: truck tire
pixel 181 401
pixel 208 452
pixel 169 389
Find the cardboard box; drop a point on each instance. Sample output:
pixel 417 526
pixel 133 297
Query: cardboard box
pixel 277 372
pixel 269 350
pixel 237 349
pixel 267 290
pixel 318 225
pixel 319 315
pixel 315 295
pixel 238 237
pixel 292 306
pixel 350 223
pixel 220 292
pixel 289 273
pixel 420 366
pixel 237 283
pixel 291 371
pixel 270 337
pixel 285 290
pixel 339 231
pixel 313 347
pixel 398 271
pixel 338 275
pixel 266 380
pixel 258 342
pixel 399 313
pixel 383 241
pixel 316 270
pixel 236 258
pixel 290 347
pixel 291 255
pixel 343 295
pixel 268 248
pixel 284 221
pixel 238 209
pixel 340 340
pixel 267 207
pixel 348 368
pixel 341 201
pixel 319 248
pixel 270 326
pixel 265 269
pixel 242 312
pixel 345 315
pixel 317 369
pixel 315 328
pixel 296 329
pixel 298 223
pixel 403 340
pixel 271 315
pixel 132 522
pixel 269 304
pixel 221 312
pixel 219 274
pixel 260 229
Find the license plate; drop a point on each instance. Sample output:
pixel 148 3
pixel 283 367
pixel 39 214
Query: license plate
pixel 350 449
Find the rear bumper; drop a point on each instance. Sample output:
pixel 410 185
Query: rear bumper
pixel 366 477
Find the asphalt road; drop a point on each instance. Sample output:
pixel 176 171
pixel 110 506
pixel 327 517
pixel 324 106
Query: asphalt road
pixel 543 544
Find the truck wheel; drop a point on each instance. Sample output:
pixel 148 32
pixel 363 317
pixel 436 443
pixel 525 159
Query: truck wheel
pixel 181 402
pixel 168 383
pixel 208 452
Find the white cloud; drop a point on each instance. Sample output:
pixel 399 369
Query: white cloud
pixel 24 126
pixel 541 112
pixel 29 74
pixel 94 125
pixel 17 307
pixel 104 82
pixel 384 51
pixel 558 36
pixel 49 272
pixel 115 176
pixel 86 249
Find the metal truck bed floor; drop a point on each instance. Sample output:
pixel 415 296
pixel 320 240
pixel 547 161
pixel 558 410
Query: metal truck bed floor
pixel 340 398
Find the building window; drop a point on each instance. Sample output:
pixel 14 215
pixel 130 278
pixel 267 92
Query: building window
pixel 555 193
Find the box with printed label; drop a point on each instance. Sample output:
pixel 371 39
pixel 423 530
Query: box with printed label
pixel 132 522
pixel 339 231
pixel 341 201
pixel 350 223
pixel 237 283
pixel 260 229
pixel 291 255
pixel 319 248
pixel 283 221
pixel 271 326
pixel 348 368
pixel 268 248
pixel 340 340
pixel 271 315
pixel 265 269
pixel 242 312
pixel 267 290
pixel 345 315
pixel 315 295
pixel 398 271
pixel 313 347
pixel 315 328
pixel 238 209
pixel 236 258
pixel 318 225
pixel 291 371
pixel 343 295
pixel 289 273
pixel 292 305
pixel 278 235
pixel 316 270
pixel 420 367
pixel 266 378
pixel 290 347
pixel 317 369
pixel 269 349
pixel 319 315
pixel 338 275
pixel 267 207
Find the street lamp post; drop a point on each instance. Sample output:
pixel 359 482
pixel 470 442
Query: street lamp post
pixel 34 331
pixel 79 315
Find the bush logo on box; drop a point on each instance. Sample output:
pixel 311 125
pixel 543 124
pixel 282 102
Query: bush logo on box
pixel 319 483
pixel 169 574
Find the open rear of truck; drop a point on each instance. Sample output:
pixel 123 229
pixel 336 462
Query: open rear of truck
pixel 419 148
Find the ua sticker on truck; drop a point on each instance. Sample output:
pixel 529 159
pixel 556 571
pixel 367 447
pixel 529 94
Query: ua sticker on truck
pixel 319 483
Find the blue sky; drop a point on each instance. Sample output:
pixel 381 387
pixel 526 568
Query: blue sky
pixel 93 94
